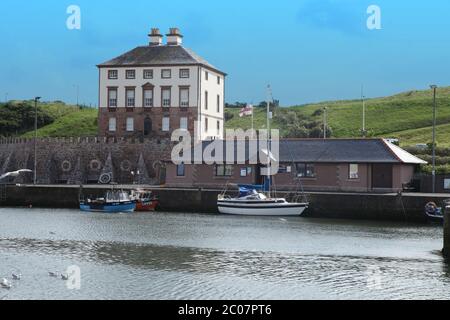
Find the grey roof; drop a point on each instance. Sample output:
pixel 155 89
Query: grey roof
pixel 344 150
pixel 157 56
pixel 332 151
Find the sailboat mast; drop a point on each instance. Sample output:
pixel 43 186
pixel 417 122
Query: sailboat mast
pixel 269 177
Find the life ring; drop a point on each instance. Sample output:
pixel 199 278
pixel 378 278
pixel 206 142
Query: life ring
pixel 431 208
pixel 105 178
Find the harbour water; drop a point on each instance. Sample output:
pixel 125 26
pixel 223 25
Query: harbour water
pixel 196 256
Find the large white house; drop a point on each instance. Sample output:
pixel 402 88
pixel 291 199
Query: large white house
pixel 155 89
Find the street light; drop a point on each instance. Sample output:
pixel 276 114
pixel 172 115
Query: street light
pixel 434 88
pixel 35 137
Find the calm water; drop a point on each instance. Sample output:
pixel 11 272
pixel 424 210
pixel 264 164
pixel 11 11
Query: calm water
pixel 176 256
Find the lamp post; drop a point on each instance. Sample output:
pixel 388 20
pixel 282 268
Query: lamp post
pixel 434 88
pixel 363 98
pixel 325 125
pixel 35 138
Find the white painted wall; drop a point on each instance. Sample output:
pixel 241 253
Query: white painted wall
pixel 175 82
pixel 214 89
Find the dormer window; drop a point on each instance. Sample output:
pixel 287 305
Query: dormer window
pixel 113 74
pixel 130 74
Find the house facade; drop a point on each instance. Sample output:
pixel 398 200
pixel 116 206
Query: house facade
pixel 335 165
pixel 155 89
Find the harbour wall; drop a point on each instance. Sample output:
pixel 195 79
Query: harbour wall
pixel 390 207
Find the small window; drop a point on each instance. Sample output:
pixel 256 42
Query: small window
pixel 165 124
pixel 206 100
pixel 184 97
pixel 353 171
pixel 112 97
pixel 130 124
pixel 184 73
pixel 130 97
pixel 218 103
pixel 184 123
pixel 112 125
pixel 218 127
pixel 224 170
pixel 305 170
pixel 218 80
pixel 166 97
pixel 130 74
pixel 148 98
pixel 181 170
pixel 166 73
pixel 113 74
pixel 148 74
pixel 206 75
pixel 206 125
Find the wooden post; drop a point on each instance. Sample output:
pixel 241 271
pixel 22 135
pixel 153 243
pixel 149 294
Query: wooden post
pixel 446 250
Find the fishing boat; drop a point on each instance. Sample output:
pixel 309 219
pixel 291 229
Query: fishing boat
pixel 114 201
pixel 145 200
pixel 250 202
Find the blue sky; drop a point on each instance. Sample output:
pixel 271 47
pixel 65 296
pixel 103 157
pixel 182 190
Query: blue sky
pixel 308 50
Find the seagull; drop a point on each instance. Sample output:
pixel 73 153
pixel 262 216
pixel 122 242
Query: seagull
pixel 16 276
pixel 14 174
pixel 53 274
pixel 64 277
pixel 5 284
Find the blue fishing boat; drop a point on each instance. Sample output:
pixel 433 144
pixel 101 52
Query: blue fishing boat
pixel 114 201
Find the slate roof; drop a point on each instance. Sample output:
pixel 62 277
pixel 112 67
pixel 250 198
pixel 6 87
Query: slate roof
pixel 159 56
pixel 344 151
pixel 334 151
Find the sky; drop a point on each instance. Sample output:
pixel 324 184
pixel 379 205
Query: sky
pixel 307 50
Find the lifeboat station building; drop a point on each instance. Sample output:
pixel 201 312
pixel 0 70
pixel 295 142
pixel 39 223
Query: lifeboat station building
pixel 336 165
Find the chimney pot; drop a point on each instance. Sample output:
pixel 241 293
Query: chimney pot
pixel 155 37
pixel 174 38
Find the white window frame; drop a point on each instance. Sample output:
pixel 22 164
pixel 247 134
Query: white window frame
pixel 166 102
pixel 113 74
pixel 130 74
pixel 112 124
pixel 184 123
pixel 169 71
pixel 184 102
pixel 130 124
pixel 148 102
pixel 185 73
pixel 130 101
pixel 112 102
pixel 148 74
pixel 165 124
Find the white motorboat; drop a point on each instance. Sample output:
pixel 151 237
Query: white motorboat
pixel 253 203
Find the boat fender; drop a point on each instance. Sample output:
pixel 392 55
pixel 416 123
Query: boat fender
pixel 431 208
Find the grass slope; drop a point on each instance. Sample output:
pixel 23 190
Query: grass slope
pixel 76 123
pixel 395 116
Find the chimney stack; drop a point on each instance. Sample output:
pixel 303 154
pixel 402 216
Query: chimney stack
pixel 155 37
pixel 174 38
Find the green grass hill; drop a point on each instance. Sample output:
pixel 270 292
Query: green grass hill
pixel 406 116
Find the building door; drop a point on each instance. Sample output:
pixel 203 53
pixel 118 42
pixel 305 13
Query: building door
pixel 147 126
pixel 382 176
